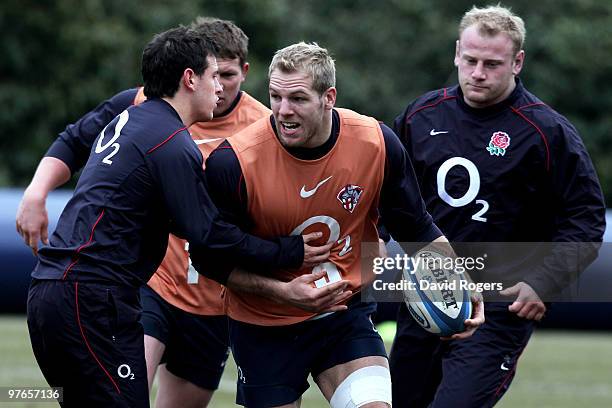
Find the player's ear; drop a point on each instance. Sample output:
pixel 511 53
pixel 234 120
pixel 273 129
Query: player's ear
pixel 245 70
pixel 329 97
pixel 517 64
pixel 456 53
pixel 189 79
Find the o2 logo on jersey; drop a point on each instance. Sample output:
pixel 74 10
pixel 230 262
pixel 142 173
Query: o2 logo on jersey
pixel 124 371
pixel 101 146
pixel 470 194
pixel 333 274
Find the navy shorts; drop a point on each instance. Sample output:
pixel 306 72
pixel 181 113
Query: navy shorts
pixel 87 338
pixel 475 372
pixel 197 346
pixel 274 362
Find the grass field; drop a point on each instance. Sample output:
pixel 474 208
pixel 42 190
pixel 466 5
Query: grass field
pixel 558 369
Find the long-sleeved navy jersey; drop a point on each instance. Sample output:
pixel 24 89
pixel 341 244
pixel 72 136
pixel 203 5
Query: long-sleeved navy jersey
pixel 515 171
pixel 143 180
pixel 401 206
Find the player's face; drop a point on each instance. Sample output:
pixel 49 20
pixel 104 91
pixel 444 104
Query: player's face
pixel 208 90
pixel 487 67
pixel 231 76
pixel 303 117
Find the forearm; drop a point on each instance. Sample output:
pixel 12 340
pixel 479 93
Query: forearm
pixel 550 275
pixel 247 282
pixel 31 221
pixel 50 174
pixel 299 292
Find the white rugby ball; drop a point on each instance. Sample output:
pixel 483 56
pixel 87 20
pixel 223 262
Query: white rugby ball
pixel 436 299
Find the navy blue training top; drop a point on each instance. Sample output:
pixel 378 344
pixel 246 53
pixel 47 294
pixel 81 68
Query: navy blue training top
pixel 515 171
pixel 143 180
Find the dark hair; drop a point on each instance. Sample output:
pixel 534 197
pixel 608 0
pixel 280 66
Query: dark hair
pixel 230 40
pixel 168 55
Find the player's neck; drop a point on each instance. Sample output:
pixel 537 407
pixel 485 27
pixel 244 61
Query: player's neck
pixel 182 108
pixel 324 134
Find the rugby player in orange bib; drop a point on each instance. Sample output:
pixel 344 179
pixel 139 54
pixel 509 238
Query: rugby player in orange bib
pixel 310 167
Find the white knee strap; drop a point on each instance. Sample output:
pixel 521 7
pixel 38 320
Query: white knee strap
pixel 368 384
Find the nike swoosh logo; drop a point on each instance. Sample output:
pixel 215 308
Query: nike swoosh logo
pixel 503 367
pixel 203 141
pixel 433 132
pixel 308 193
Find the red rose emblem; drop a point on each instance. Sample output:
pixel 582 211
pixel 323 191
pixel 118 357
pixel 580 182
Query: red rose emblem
pixel 500 139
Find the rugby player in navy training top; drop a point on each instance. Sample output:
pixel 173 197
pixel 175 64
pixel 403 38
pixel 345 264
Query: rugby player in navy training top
pixel 143 180
pixel 186 333
pixel 494 164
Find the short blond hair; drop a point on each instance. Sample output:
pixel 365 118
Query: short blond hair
pixel 493 20
pixel 310 58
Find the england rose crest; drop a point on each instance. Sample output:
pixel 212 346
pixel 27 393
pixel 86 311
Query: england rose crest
pixel 498 144
pixel 349 197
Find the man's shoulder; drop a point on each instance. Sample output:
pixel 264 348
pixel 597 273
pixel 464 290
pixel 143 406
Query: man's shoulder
pixel 431 100
pixel 253 135
pixel 250 103
pixel 350 117
pixel 150 125
pixel 539 114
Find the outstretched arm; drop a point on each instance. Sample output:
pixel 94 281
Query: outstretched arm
pixel 66 155
pixel 299 292
pixel 578 226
